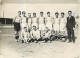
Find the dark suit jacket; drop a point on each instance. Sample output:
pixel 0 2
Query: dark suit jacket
pixel 70 22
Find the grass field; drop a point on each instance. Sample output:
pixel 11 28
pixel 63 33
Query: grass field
pixel 9 48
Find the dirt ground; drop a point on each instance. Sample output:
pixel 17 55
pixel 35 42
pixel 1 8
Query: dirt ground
pixel 9 48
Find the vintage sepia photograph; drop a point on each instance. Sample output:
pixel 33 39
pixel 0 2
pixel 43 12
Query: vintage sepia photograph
pixel 39 28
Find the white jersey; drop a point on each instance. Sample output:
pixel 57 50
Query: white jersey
pixel 26 35
pixel 23 22
pixel 35 34
pixel 30 22
pixel 49 22
pixel 41 23
pixel 62 24
pixel 41 20
pixel 47 34
pixel 56 24
pixel 17 19
pixel 35 22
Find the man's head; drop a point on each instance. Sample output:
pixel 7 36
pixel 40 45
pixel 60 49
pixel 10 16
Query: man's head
pixel 24 13
pixel 34 28
pixel 34 14
pixel 25 29
pixel 48 14
pixel 47 29
pixel 56 14
pixel 29 14
pixel 70 13
pixel 41 14
pixel 19 13
pixel 62 14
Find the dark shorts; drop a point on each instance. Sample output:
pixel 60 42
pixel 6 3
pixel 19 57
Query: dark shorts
pixel 16 26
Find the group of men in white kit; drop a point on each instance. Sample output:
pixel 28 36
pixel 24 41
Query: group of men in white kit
pixel 33 29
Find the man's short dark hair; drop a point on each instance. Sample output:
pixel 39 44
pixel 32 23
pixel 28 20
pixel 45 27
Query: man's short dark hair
pixel 29 13
pixel 48 12
pixel 23 12
pixel 41 12
pixel 34 26
pixel 63 13
pixel 69 11
pixel 34 13
pixel 19 11
pixel 56 13
pixel 25 27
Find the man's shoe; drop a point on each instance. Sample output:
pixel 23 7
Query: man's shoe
pixel 69 42
pixel 22 41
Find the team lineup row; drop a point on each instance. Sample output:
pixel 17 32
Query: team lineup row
pixel 34 28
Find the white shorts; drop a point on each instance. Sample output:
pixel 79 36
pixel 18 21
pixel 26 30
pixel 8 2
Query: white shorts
pixel 29 25
pixel 26 37
pixel 49 25
pixel 62 27
pixel 62 33
pixel 23 25
pixel 35 24
pixel 42 26
pixel 47 35
pixel 56 27
pixel 37 37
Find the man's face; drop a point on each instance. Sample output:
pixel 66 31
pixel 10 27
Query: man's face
pixel 48 14
pixel 19 13
pixel 25 29
pixel 34 15
pixel 41 14
pixel 70 13
pixel 34 28
pixel 56 15
pixel 62 15
pixel 24 13
pixel 29 15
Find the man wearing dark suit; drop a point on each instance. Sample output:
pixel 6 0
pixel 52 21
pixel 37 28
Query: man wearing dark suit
pixel 70 27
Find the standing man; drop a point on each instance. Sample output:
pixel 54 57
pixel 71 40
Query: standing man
pixel 29 22
pixel 34 20
pixel 17 26
pixel 49 21
pixel 70 27
pixel 56 25
pixel 62 25
pixel 23 23
pixel 41 22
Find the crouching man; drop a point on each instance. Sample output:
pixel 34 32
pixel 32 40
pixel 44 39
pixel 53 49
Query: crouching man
pixel 25 35
pixel 35 34
pixel 46 35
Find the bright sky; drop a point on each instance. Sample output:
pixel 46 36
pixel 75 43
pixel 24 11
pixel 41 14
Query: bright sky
pixel 41 1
